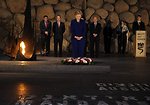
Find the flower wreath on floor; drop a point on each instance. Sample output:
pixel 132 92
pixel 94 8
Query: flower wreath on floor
pixel 78 61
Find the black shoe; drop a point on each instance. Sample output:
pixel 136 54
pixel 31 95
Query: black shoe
pixel 55 55
pixel 12 58
pixel 47 54
pixel 60 55
pixel 97 56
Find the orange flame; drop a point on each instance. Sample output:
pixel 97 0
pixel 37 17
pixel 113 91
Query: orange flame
pixel 22 46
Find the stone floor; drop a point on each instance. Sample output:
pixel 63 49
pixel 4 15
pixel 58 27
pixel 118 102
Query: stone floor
pixel 113 80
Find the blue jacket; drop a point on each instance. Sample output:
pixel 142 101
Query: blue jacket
pixel 78 28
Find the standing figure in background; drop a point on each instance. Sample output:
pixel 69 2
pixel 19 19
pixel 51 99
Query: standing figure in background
pixel 78 30
pixel 95 29
pixel 122 31
pixel 86 39
pixel 58 30
pixel 107 32
pixel 138 25
pixel 45 28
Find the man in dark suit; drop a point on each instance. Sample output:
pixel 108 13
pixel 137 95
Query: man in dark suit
pixel 95 29
pixel 45 28
pixel 58 30
pixel 138 25
pixel 107 32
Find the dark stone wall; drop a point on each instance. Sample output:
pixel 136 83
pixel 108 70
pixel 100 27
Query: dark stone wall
pixel 12 16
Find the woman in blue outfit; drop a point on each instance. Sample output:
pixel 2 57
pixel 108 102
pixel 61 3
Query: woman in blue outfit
pixel 78 30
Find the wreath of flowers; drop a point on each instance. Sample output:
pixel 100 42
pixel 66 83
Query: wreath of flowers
pixel 78 61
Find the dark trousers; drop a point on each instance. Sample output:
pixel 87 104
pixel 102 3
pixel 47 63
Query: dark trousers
pixel 107 44
pixel 85 48
pixel 45 43
pixel 78 48
pixel 56 43
pixel 122 40
pixel 94 47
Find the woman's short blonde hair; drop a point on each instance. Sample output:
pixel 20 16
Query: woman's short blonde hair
pixel 78 13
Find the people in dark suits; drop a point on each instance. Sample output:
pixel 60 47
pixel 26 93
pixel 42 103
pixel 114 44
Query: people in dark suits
pixel 45 28
pixel 107 32
pixel 138 25
pixel 122 31
pixel 58 30
pixel 95 29
pixel 78 30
